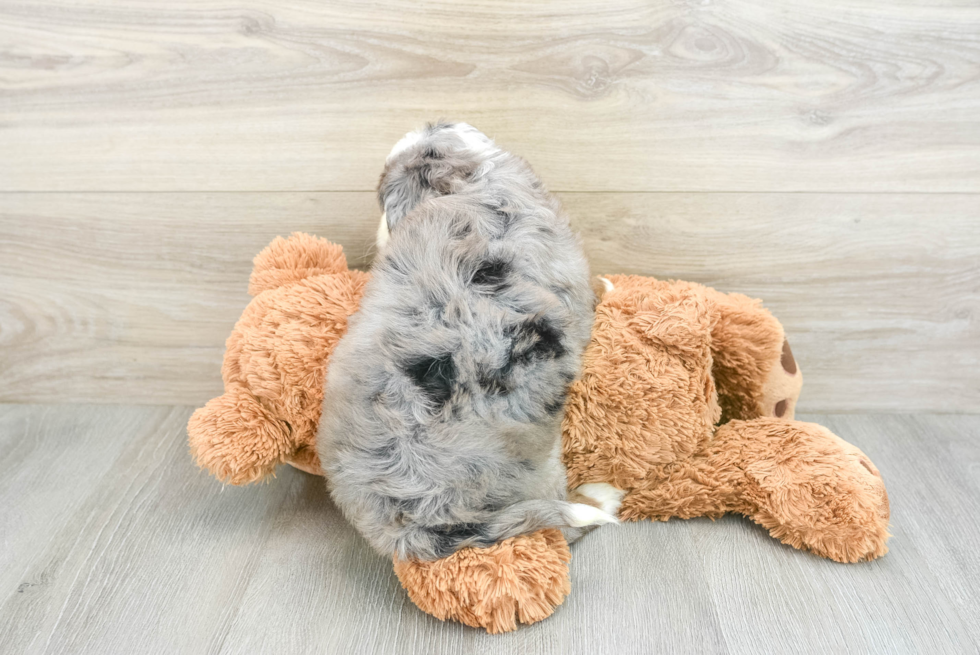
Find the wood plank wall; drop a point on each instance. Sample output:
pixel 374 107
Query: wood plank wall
pixel 824 156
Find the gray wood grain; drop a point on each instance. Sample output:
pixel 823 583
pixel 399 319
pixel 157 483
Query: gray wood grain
pixel 152 556
pixel 115 543
pixel 130 297
pixel 732 95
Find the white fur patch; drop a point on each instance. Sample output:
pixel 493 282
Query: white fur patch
pixel 474 139
pixel 609 287
pixel 382 237
pixel 608 496
pixel 406 142
pixel 581 515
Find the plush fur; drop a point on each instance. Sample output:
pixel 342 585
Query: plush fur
pixel 273 368
pixel 522 579
pixel 442 412
pixel 665 361
pixel 645 418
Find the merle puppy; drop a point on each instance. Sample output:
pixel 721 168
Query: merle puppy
pixel 442 412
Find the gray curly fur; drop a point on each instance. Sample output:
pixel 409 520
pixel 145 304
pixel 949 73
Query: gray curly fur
pixel 442 412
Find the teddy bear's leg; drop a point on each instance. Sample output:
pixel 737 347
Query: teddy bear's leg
pixel 236 439
pixel 807 486
pixel 289 260
pixel 686 489
pixel 754 369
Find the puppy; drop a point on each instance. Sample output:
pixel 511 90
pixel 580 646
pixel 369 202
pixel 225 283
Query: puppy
pixel 441 424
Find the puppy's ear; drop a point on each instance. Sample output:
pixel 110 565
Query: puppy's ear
pixel 600 287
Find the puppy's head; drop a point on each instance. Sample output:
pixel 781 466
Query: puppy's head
pixel 437 160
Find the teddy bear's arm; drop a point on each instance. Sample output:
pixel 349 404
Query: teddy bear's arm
pixel 236 438
pixel 753 366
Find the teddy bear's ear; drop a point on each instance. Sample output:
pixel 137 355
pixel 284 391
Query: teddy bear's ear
pixel 753 366
pixel 289 260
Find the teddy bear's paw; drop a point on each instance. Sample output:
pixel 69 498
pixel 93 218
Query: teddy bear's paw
pixel 781 389
pixel 237 439
pixel 607 497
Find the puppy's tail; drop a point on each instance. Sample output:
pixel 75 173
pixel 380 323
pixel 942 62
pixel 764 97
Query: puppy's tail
pixel 438 541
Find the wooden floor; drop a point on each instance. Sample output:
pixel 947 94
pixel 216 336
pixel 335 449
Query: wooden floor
pixel 114 543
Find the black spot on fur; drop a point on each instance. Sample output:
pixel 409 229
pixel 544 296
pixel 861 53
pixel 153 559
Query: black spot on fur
pixel 492 274
pixel 392 265
pixel 555 406
pixel 503 217
pixel 492 507
pixel 449 537
pixel 494 380
pixel 435 376
pixel 423 173
pixel 408 504
pixel 536 339
pixel 439 126
pixel 386 451
pixel 432 170
pixel 549 339
pixel 405 505
pixel 461 229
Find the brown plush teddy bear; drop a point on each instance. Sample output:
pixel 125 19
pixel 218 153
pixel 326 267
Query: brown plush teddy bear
pixel 685 404
pixel 275 361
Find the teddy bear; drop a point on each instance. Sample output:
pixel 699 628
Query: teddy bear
pixel 275 361
pixel 685 405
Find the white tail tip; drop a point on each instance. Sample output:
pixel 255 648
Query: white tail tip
pixel 608 496
pixel 581 515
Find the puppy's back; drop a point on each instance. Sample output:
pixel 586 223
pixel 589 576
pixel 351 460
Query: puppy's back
pixel 443 403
